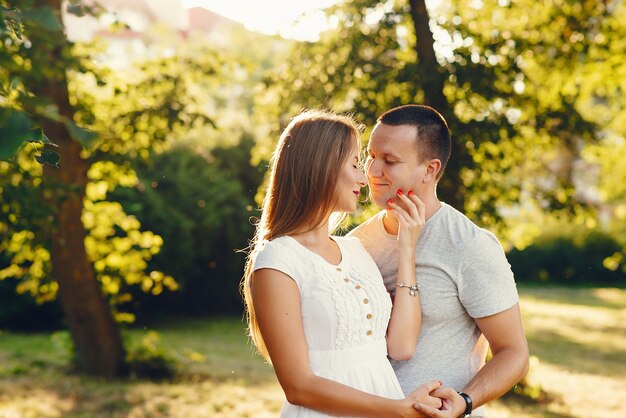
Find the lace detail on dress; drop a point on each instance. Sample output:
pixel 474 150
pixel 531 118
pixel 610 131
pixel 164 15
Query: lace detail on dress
pixel 346 320
pixel 362 307
pixel 380 301
pixel 358 299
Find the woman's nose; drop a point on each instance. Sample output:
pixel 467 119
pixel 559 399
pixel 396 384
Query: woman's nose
pixel 362 179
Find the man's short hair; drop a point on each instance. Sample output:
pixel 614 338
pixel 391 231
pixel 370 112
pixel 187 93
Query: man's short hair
pixel 433 135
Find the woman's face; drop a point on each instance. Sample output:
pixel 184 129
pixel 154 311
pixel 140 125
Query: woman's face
pixel 349 183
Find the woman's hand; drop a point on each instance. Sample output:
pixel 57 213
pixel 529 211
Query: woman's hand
pixel 411 216
pixel 424 394
pixel 452 404
pixel 421 394
pixel 406 315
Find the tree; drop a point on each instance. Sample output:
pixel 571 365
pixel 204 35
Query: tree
pixel 97 341
pixel 433 82
pixel 16 126
pixel 506 83
pixel 91 244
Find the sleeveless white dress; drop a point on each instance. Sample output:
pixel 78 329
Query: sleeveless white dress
pixel 345 313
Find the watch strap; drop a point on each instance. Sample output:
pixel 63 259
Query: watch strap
pixel 468 404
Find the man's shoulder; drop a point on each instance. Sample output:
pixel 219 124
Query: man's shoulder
pixel 458 224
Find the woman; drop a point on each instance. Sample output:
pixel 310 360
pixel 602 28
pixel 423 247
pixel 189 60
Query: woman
pixel 317 306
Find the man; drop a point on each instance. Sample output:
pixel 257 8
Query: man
pixel 467 290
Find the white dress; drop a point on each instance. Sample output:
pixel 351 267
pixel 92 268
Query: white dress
pixel 345 313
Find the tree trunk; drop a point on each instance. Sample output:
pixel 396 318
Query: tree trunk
pixel 450 187
pixel 99 349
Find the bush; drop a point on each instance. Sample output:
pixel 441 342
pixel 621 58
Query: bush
pixel 571 259
pixel 20 312
pixel 200 204
pixel 149 360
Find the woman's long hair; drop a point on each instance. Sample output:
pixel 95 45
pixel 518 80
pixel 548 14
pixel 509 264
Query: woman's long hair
pixel 300 193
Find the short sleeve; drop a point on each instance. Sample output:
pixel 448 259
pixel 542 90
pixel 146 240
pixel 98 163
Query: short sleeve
pixel 274 255
pixel 486 285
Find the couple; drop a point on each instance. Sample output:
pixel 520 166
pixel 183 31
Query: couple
pixel 318 308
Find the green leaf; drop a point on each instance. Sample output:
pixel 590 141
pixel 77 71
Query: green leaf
pixel 11 14
pixel 80 9
pixel 37 135
pixel 9 145
pixel 81 135
pixel 16 27
pixel 15 128
pixel 50 111
pixel 13 19
pixel 45 18
pixel 76 10
pixel 42 107
pixel 49 157
pixel 15 83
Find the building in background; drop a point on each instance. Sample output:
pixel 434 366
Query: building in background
pixel 132 29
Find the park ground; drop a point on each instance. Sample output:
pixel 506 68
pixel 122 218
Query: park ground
pixel 577 340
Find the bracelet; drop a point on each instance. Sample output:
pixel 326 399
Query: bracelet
pixel 412 289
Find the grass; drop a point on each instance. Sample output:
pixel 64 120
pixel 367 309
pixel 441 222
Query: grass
pixel 579 338
pixel 577 335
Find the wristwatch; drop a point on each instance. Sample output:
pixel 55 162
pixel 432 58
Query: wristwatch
pixel 468 404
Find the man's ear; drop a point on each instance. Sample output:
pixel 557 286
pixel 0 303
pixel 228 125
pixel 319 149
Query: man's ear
pixel 432 170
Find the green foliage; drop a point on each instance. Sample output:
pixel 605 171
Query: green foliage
pixel 148 359
pixel 115 243
pixel 19 109
pixel 63 346
pixel 161 108
pixel 11 22
pixel 529 387
pixel 198 211
pixel 573 257
pixel 20 312
pixel 201 201
pixel 16 129
pixel 519 89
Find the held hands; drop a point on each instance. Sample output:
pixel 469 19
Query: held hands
pixel 452 404
pixel 424 394
pixel 421 395
pixel 411 216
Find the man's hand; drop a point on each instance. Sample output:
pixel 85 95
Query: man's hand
pixel 452 404
pixel 424 394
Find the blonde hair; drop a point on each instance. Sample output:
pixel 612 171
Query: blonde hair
pixel 303 174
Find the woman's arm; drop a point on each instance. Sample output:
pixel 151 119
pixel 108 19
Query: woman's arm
pixel 277 304
pixel 406 315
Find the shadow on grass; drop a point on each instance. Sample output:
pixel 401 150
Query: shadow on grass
pixel 556 349
pixel 609 298
pixel 516 402
pixel 45 389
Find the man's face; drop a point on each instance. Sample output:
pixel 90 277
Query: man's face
pixel 393 163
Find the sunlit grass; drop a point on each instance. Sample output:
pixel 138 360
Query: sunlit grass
pixel 578 335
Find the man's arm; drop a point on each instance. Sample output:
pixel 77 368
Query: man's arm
pixel 509 365
pixel 488 286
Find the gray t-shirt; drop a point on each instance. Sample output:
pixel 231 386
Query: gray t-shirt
pixel 463 274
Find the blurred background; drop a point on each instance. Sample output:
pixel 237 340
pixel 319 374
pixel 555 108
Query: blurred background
pixel 134 142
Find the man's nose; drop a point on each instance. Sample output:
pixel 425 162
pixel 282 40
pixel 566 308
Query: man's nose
pixel 373 169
